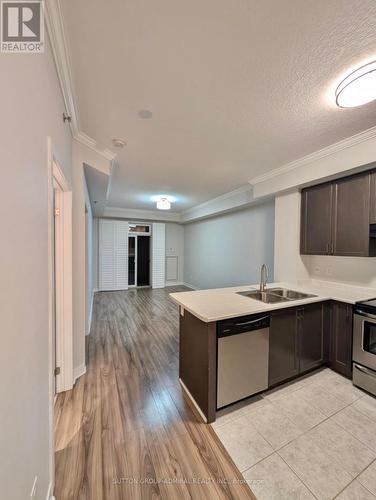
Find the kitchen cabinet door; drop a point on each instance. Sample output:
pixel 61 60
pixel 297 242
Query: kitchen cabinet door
pixel 372 215
pixel 351 216
pixel 313 336
pixel 341 338
pixel 283 346
pixel 316 220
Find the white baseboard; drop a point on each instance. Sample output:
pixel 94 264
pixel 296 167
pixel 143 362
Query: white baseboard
pixel 190 286
pixel 91 310
pixel 50 492
pixel 78 372
pixel 174 283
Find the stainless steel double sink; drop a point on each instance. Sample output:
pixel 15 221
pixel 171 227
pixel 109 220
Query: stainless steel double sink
pixel 274 295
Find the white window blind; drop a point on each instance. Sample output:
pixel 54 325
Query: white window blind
pixel 113 255
pixel 158 255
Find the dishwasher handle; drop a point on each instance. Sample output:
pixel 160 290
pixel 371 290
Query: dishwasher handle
pixel 234 326
pixel 246 323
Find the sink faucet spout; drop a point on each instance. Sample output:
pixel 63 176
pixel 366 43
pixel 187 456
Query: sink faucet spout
pixel 264 277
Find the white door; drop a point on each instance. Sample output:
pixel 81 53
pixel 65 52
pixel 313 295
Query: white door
pixel 113 255
pixel 158 255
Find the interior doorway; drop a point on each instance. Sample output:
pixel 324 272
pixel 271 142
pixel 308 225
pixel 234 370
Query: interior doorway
pixel 61 281
pixel 138 255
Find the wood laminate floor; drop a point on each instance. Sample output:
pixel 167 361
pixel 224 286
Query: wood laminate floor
pixel 126 431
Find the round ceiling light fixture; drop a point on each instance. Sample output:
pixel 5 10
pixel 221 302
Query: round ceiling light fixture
pixel 163 204
pixel 119 143
pixel 358 88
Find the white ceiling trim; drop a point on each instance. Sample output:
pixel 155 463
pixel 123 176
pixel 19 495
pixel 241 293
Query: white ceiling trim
pixel 92 144
pixel 56 31
pixel 317 155
pixel 147 215
pixel 225 202
pixel 54 21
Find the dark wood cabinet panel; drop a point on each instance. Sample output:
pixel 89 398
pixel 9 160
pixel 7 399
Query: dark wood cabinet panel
pixel 336 217
pixel 351 214
pixel 313 336
pixel 341 338
pixel 283 346
pixel 372 213
pixel 316 225
pixel 197 361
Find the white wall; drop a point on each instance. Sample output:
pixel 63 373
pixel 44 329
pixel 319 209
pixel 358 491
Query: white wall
pixel 81 155
pixel 95 252
pixel 31 110
pixel 229 250
pixel 175 248
pixel 89 222
pixel 288 265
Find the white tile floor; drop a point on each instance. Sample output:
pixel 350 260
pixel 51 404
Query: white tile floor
pixel 312 438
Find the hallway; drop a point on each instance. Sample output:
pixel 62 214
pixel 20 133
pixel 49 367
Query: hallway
pixel 125 428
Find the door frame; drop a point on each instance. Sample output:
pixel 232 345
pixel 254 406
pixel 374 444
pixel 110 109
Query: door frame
pixel 135 259
pixel 55 176
pixel 62 278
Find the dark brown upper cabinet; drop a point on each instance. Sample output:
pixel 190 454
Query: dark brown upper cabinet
pixel 336 217
pixel 316 224
pixel 351 216
pixel 372 218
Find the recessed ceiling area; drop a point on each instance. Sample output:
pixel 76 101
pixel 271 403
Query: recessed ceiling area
pixel 231 90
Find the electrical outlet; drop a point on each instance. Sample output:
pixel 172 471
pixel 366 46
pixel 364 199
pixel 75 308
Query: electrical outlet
pixel 33 493
pixel 317 270
pixel 329 271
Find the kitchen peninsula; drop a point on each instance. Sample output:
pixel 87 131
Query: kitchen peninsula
pixel 304 333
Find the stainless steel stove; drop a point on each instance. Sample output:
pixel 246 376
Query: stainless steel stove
pixel 364 346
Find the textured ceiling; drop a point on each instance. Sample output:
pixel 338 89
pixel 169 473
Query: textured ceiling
pixel 236 87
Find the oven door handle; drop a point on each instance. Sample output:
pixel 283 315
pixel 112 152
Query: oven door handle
pixel 370 317
pixel 365 370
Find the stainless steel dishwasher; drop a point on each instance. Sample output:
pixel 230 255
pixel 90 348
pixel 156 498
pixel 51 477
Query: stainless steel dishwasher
pixel 242 357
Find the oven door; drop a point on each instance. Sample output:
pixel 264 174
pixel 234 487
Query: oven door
pixel 364 341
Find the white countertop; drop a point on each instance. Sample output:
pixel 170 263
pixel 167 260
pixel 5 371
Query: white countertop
pixel 222 303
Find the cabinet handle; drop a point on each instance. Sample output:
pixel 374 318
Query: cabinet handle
pixel 332 249
pixel 327 248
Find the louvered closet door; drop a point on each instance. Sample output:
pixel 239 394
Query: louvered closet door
pixel 113 255
pixel 158 255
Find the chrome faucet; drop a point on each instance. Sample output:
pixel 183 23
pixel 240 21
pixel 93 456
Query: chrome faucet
pixel 264 277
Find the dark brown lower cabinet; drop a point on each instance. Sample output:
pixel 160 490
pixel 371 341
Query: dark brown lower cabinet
pixel 298 341
pixel 313 334
pixel 341 338
pixel 283 346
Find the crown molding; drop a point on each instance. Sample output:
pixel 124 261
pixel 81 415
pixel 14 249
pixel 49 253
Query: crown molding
pixel 317 155
pixel 87 141
pixel 140 214
pixel 227 202
pixel 60 52
pixel 222 197
pixel 55 27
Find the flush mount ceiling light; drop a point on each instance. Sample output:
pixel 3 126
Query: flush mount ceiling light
pixel 163 204
pixel 119 143
pixel 358 88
